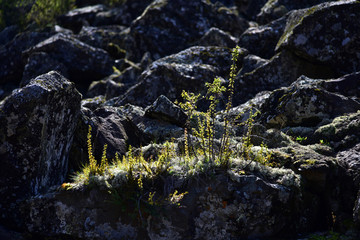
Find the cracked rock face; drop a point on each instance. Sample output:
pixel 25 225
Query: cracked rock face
pixel 167 27
pixel 326 34
pixel 82 61
pixel 187 70
pixel 37 124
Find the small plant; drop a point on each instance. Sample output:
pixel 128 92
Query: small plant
pixel 300 139
pixel 205 122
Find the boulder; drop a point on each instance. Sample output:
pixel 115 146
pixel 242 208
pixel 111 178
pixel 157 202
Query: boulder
pixel 224 206
pixel 347 85
pixel 321 34
pixel 275 74
pixel 251 62
pixel 84 62
pixel 261 40
pixel 167 27
pixel 250 8
pixel 40 63
pixel 275 9
pixel 8 33
pixel 109 38
pixel 122 14
pixel 342 133
pixel 37 127
pixel 11 64
pixel 164 109
pixel 149 128
pixel 304 105
pixel 217 37
pixel 79 17
pixel 188 70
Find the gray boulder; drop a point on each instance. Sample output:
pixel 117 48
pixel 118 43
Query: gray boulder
pixel 37 126
pixel 342 133
pixel 280 71
pixel 187 70
pixel 275 9
pixel 40 63
pixel 84 62
pixel 304 105
pixel 227 205
pixel 109 38
pixel 164 109
pixel 261 40
pixel 79 17
pixel 325 34
pixel 217 37
pixel 11 64
pixel 123 13
pixel 167 27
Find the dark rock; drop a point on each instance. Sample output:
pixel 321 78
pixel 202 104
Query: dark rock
pixel 278 8
pixel 8 34
pixel 342 133
pixel 226 206
pixel 322 34
pixel 167 27
pixel 306 106
pixel 93 103
pixel 84 63
pixel 251 62
pixel 163 109
pixel 262 40
pixel 150 129
pixel 40 63
pixel 37 127
pixel 357 210
pixel 350 160
pixel 123 14
pixel 109 38
pixel 217 37
pixel 118 83
pixel 109 129
pixel 11 64
pixel 250 8
pixel 188 70
pixel 8 234
pixel 79 17
pixel 348 85
pixel 274 74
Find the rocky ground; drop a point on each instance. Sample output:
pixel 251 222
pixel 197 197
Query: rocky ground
pixel 121 69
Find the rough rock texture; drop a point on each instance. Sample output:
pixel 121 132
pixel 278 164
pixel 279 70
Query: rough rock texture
pixel 188 70
pixel 122 14
pixel 217 37
pixel 40 63
pixel 76 18
pixel 274 74
pixel 342 132
pixel 8 33
pixel 37 127
pixel 150 129
pixel 301 105
pixel 164 109
pixel 10 55
pixel 225 206
pixel 84 63
pixel 326 34
pixel 109 38
pixel 167 27
pixel 262 40
pixel 274 9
